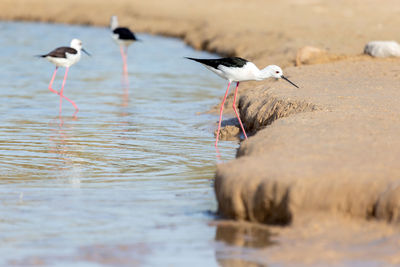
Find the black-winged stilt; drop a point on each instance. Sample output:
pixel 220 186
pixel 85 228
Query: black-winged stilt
pixel 236 69
pixel 65 57
pixel 124 38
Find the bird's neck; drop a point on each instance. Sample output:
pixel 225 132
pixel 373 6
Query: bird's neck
pixel 114 23
pixel 78 49
pixel 263 74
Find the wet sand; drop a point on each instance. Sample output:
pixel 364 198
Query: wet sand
pixel 324 157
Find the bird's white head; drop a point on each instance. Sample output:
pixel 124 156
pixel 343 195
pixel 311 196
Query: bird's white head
pixel 275 72
pixel 114 22
pixel 76 44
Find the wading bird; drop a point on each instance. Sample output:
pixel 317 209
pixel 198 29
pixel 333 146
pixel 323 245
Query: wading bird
pixel 124 38
pixel 65 57
pixel 235 69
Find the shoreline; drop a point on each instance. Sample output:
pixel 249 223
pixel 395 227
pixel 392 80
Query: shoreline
pixel 322 161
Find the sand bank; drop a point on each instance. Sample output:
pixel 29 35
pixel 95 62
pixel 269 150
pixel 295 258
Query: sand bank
pixel 324 161
pixel 331 145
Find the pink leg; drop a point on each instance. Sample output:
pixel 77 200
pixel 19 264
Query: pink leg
pixel 52 80
pixel 62 89
pixel 220 114
pixel 234 108
pixel 54 91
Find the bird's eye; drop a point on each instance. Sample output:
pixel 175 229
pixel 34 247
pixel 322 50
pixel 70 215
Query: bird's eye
pixel 277 71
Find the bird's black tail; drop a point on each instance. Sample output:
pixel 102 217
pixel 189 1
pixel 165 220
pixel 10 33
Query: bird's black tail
pixel 214 63
pixel 194 59
pixel 202 61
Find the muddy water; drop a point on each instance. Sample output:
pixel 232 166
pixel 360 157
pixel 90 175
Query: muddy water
pixel 126 182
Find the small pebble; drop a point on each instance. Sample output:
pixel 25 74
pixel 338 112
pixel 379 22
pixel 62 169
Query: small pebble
pixel 382 49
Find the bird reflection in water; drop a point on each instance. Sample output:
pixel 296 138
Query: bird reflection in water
pixel 125 87
pixel 61 144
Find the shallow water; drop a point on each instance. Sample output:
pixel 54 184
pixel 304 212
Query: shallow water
pixel 126 182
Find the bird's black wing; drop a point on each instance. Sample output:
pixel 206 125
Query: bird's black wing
pixel 226 61
pixel 61 52
pixel 125 34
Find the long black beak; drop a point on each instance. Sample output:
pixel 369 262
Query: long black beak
pixel 283 77
pixel 86 52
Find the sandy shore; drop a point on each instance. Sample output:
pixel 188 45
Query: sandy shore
pixel 324 158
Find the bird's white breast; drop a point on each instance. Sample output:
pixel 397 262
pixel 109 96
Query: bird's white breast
pixel 120 41
pixel 65 62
